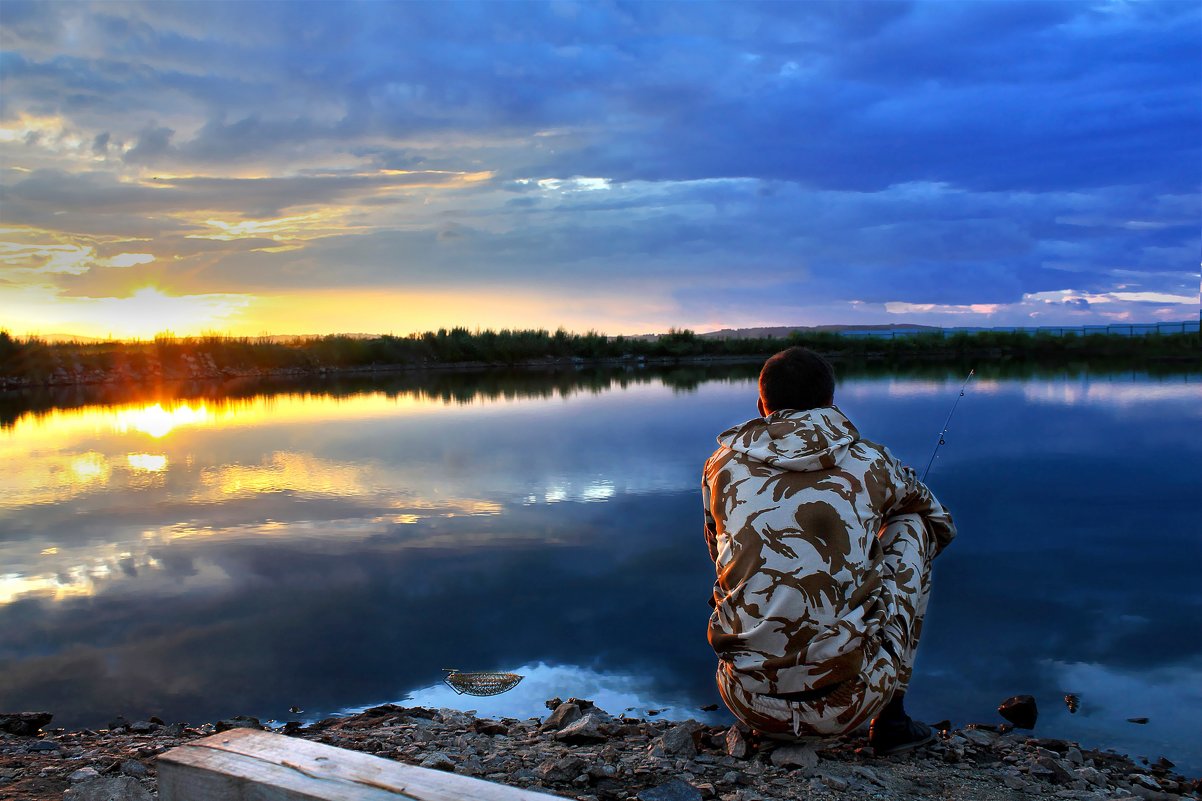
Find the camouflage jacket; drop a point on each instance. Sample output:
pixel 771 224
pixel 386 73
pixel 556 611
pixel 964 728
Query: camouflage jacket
pixel 793 504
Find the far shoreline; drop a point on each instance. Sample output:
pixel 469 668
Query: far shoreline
pixel 32 363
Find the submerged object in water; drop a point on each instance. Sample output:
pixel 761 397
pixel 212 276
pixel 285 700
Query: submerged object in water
pixel 481 683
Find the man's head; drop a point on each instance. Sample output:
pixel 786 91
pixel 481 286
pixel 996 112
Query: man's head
pixel 796 378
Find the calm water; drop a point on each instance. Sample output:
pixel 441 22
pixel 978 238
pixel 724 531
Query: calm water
pixel 338 547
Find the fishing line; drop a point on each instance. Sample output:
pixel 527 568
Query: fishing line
pixel 946 424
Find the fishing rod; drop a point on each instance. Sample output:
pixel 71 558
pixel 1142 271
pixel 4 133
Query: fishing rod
pixel 946 424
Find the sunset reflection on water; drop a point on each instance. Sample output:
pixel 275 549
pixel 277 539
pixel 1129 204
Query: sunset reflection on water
pixel 95 457
pixel 347 541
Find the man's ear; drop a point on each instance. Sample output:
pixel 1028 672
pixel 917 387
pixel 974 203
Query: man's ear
pixel 760 405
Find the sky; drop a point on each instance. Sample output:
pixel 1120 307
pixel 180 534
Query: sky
pixel 299 168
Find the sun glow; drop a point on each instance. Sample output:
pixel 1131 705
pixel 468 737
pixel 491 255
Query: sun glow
pixel 149 311
pixel 159 422
pixel 147 462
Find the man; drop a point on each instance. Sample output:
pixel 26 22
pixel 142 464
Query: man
pixel 823 545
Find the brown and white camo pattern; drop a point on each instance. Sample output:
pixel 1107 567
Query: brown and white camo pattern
pixel 822 544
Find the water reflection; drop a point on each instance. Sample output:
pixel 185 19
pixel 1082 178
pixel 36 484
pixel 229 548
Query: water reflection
pixel 617 693
pixel 339 548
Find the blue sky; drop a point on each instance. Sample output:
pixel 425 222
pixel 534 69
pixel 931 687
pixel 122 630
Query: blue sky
pixel 311 167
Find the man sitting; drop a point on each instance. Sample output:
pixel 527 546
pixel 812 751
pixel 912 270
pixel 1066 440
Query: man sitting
pixel 823 544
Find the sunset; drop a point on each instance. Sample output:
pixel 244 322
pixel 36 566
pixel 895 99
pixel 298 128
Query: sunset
pixel 804 390
pixel 312 168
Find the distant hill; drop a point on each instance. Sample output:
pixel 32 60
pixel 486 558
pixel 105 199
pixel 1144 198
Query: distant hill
pixel 784 330
pixel 65 338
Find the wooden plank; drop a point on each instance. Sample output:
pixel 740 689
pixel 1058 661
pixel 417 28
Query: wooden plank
pixel 253 765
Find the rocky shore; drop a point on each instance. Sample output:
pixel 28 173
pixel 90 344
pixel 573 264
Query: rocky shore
pixel 580 751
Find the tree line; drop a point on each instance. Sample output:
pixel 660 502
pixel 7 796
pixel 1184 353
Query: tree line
pixel 35 360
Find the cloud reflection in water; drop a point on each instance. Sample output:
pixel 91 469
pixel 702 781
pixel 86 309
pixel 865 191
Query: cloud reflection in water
pixel 335 551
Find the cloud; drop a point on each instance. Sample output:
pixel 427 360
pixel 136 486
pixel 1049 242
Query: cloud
pixel 152 143
pixel 923 154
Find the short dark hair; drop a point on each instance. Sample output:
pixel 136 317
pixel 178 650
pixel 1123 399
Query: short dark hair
pixel 797 378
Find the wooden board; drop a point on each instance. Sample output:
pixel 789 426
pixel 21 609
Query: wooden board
pixel 253 765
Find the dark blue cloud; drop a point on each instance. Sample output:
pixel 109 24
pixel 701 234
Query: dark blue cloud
pixel 920 152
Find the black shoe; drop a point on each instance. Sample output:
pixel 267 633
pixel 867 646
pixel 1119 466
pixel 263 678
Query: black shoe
pixel 898 735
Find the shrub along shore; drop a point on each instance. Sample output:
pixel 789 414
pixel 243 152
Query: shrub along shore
pixel 34 362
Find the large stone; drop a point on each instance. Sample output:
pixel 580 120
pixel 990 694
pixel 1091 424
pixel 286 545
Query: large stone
pixel 592 728
pixel 1019 710
pixel 438 761
pixel 132 767
pixel 25 724
pixel 681 740
pixel 1060 773
pixel 83 775
pixel 238 722
pixel 565 714
pixel 108 788
pixel 674 790
pixel 795 756
pixel 736 742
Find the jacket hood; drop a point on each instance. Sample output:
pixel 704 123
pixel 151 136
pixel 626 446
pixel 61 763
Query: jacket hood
pixel 816 439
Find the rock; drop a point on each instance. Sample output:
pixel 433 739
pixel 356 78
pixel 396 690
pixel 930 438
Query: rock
pixel 24 724
pixel 564 715
pixel 1059 773
pixel 83 774
pixel 1019 710
pixel 132 767
pixel 1074 756
pixel 674 790
pixel 736 742
pixel 835 782
pixel 1013 782
pixel 472 766
pixel 1093 776
pixel 979 737
pixel 551 703
pixel 238 722
pixel 438 761
pixel 561 770
pixel 118 724
pixel 177 729
pixel 592 728
pixel 1143 780
pixel 732 777
pixel 142 727
pixel 795 756
pixel 108 788
pixel 867 774
pixel 43 745
pixel 680 740
pixel 490 727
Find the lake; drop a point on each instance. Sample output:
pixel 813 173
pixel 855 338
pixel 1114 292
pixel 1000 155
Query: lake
pixel 210 551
